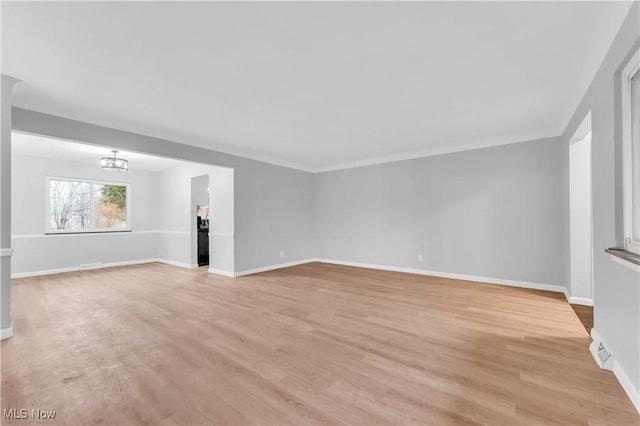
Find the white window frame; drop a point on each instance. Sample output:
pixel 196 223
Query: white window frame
pixel 632 67
pixel 47 225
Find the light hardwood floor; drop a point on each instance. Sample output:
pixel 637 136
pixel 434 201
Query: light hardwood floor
pixel 312 344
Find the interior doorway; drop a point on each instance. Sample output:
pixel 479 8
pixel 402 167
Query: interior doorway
pixel 202 223
pixel 581 215
pixel 200 217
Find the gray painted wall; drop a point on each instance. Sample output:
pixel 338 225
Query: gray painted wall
pixel 161 214
pixel 177 214
pixel 6 89
pixel 499 212
pixel 33 251
pixel 28 194
pixel 493 212
pixel 273 212
pixel 616 287
pixel 273 204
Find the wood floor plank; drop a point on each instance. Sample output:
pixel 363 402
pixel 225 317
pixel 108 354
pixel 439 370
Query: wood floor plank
pixel 314 344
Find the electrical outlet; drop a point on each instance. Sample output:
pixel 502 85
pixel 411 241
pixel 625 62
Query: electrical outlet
pixel 420 258
pixel 281 253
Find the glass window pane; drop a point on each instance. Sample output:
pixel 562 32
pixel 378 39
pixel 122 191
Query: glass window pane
pixel 69 205
pixel 110 206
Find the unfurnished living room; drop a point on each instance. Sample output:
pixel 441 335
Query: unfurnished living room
pixel 319 213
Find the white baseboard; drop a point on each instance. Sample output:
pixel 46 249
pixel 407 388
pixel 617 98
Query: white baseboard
pixel 580 301
pixel 577 300
pixel 222 272
pixel 99 266
pixel 627 385
pixel 43 272
pixel 5 333
pixel 511 283
pixel 499 281
pixel 273 267
pixel 174 263
pixel 614 365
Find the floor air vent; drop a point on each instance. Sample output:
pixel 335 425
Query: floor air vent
pixel 603 357
pixel 603 354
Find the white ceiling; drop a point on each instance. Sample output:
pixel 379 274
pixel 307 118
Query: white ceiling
pixel 313 85
pixel 44 147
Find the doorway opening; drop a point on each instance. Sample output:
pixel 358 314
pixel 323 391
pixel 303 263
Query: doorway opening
pixel 200 203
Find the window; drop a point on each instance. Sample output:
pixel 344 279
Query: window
pixel 87 206
pixel 631 153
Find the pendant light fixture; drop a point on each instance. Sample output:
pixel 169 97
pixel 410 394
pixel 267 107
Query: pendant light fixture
pixel 114 163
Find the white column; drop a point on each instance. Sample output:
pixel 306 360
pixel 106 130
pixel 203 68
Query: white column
pixel 6 89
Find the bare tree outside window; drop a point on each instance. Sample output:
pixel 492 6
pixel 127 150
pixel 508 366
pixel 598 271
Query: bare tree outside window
pixel 69 205
pixel 88 206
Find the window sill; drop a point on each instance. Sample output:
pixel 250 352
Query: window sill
pixel 625 258
pixel 119 231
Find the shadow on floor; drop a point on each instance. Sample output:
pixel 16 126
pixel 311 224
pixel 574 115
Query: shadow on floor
pixel 585 315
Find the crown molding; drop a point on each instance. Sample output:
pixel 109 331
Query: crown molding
pixel 248 154
pixel 431 153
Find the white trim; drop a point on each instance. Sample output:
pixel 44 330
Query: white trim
pixel 487 280
pixel 45 272
pixel 6 252
pixel 77 268
pixel 583 134
pixel 89 234
pixel 168 232
pixel 100 266
pixel 250 155
pixel 630 69
pixel 221 272
pixel 625 263
pixel 497 281
pixel 5 333
pixel 221 234
pixel 273 267
pixel 632 246
pixel 261 269
pixel 583 130
pixel 70 234
pixel 614 365
pixel 580 301
pixel 175 263
pixel 626 384
pixel 91 182
pixel 430 152
pixel 577 300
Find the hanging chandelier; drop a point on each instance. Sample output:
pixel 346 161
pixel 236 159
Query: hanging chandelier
pixel 114 163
